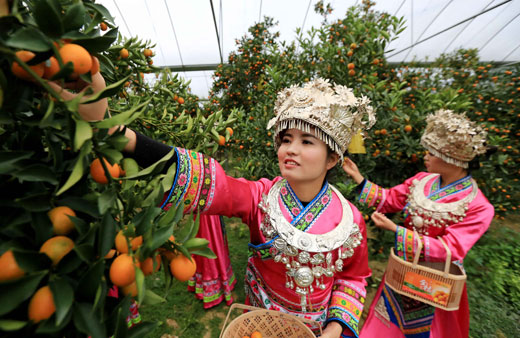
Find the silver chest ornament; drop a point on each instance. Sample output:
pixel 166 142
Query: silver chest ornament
pixel 424 212
pixel 308 257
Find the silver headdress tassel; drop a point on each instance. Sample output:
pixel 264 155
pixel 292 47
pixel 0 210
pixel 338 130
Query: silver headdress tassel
pixel 333 111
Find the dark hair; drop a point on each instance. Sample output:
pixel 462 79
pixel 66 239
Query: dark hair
pixel 474 164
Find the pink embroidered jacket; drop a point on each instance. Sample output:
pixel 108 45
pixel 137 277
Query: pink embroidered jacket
pixel 201 184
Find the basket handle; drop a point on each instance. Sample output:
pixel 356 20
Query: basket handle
pixel 419 249
pixel 254 308
pixel 448 257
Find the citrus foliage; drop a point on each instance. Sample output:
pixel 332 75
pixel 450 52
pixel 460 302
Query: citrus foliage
pixel 46 153
pixel 350 51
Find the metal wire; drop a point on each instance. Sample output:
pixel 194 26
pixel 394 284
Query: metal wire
pixel 449 28
pixel 511 52
pixel 398 9
pixel 462 30
pixel 123 17
pixel 484 27
pixel 428 26
pixel 491 38
pixel 260 12
pixel 216 32
pixel 174 34
pixel 155 32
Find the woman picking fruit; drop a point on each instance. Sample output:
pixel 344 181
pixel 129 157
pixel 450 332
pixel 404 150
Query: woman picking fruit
pixel 308 252
pixel 444 202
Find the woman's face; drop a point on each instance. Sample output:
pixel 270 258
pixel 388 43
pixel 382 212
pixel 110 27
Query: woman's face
pixel 303 158
pixel 437 165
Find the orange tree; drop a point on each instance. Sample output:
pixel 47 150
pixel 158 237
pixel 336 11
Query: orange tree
pixel 55 278
pixel 350 51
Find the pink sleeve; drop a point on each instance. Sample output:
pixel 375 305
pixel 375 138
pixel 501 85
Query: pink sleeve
pixel 387 200
pixel 459 237
pixel 348 295
pixel 202 185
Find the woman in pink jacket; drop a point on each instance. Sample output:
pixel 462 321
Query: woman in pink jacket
pixel 443 202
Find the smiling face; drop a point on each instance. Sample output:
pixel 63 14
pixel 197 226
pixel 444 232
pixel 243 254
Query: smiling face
pixel 304 159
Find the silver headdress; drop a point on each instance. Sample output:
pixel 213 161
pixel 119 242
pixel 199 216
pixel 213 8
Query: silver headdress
pixel 453 137
pixel 334 112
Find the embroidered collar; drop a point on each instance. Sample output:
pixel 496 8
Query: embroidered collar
pixel 436 193
pixel 304 217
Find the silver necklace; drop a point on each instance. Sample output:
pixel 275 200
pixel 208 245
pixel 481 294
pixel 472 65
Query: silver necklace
pixel 425 212
pixel 308 257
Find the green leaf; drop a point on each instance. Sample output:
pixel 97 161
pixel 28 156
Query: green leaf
pixel 124 118
pixel 141 287
pixel 85 252
pixel 9 159
pixel 87 322
pixel 151 169
pixel 196 243
pixel 15 292
pixel 142 330
pixel 89 283
pixel 75 17
pixel 167 217
pixel 47 14
pixel 63 297
pixel 161 235
pixel 101 10
pixel 205 252
pixel 151 298
pixel 35 202
pixel 80 225
pixel 96 44
pixel 30 261
pixel 107 234
pixel 106 201
pixel 11 325
pixel 80 204
pixel 144 220
pixel 29 38
pixel 78 170
pixel 82 134
pixel 46 121
pixel 36 173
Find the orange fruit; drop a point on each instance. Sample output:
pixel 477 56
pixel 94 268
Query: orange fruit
pixel 41 305
pixel 95 65
pixel 147 265
pixel 408 128
pixel 103 26
pixel 9 269
pixel 182 268
pixel 79 56
pixel 26 56
pixel 122 270
pixel 61 223
pixel 256 334
pixel 351 66
pixel 230 131
pixel 123 53
pixel 246 337
pixel 352 72
pixel 180 100
pixel 111 253
pixel 51 67
pixel 168 254
pixel 98 173
pixel 147 52
pixel 383 132
pixel 221 140
pixel 353 45
pixel 130 289
pixel 57 247
pixel 122 244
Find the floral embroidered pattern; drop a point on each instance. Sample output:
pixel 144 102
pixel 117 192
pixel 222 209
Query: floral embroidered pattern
pixel 372 194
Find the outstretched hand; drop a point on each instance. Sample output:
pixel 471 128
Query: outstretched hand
pixel 89 112
pixel 383 222
pixel 352 170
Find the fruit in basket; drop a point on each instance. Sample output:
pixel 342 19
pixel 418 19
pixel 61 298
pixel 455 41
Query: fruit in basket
pixel 256 334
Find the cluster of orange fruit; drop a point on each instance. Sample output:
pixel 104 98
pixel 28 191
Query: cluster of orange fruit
pixel 255 334
pixel 80 58
pixel 41 305
pixel 122 269
pixel 440 297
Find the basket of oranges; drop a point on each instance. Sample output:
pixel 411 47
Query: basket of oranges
pixel 262 323
pixel 439 284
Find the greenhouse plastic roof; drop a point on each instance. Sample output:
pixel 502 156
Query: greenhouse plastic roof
pixel 203 32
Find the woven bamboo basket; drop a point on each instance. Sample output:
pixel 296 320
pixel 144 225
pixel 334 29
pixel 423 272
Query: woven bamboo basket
pixel 270 323
pixel 439 284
